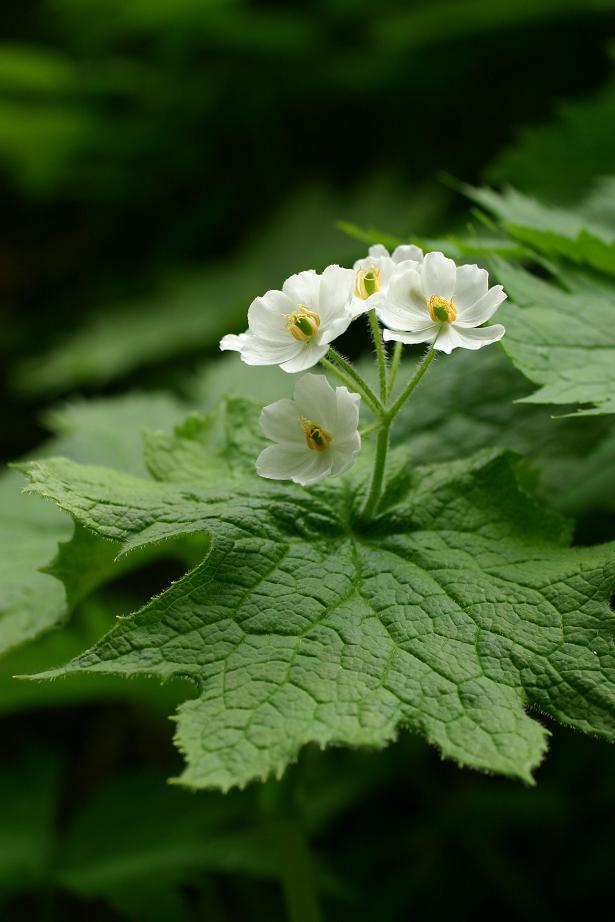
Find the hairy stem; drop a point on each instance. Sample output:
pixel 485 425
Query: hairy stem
pixel 375 489
pixel 412 383
pixel 353 380
pixel 394 367
pixel 382 446
pixel 380 353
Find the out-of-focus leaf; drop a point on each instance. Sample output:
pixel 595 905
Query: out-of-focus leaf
pixel 192 313
pixel 471 402
pixel 426 23
pixel 561 340
pixel 108 430
pixel 554 231
pixel 562 158
pixel 29 790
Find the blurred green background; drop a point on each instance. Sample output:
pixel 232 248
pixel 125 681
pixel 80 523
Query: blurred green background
pixel 162 162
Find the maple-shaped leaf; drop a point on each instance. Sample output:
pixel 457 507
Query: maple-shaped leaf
pixel 456 613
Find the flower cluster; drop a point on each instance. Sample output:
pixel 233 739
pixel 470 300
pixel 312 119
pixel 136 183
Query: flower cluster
pixel 417 298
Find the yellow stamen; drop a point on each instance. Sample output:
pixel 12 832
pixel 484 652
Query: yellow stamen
pixel 367 282
pixel 302 323
pixel 317 438
pixel 441 310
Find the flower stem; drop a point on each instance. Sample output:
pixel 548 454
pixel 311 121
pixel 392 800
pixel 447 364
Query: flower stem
pixel 296 872
pixel 394 367
pixel 412 383
pixel 382 446
pixel 353 380
pixel 380 353
pixel 375 487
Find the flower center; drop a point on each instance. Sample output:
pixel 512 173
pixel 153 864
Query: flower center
pixel 302 323
pixel 367 282
pixel 317 438
pixel 441 310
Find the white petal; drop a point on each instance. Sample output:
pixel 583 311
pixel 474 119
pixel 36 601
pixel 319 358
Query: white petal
pixel 255 351
pixel 447 339
pixel 471 284
pixel 438 275
pixel 336 291
pixel 344 455
pixel 426 335
pixel 334 327
pixel 309 354
pixel 267 316
pixel 233 342
pixel 280 422
pixel 360 306
pixel 402 253
pixel 303 288
pixel 483 309
pixel 477 338
pixel 317 400
pixel 301 464
pixel 347 414
pixel 405 307
pixel 378 249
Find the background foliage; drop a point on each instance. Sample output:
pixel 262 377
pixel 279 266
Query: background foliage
pixel 161 163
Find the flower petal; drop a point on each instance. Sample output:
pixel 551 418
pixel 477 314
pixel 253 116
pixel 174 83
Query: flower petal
pixel 344 455
pixel 334 327
pixel 308 354
pixel 405 307
pixel 233 342
pixel 471 284
pixel 378 249
pixel 483 309
pixel 401 253
pixel 316 399
pixel 438 276
pixel 280 422
pixel 303 288
pixel 426 335
pixel 336 291
pixel 477 338
pixel 267 316
pixel 283 462
pixel 347 414
pixel 255 351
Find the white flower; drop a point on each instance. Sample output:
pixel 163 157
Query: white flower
pixel 294 327
pixel 373 274
pixel 440 303
pixel 316 434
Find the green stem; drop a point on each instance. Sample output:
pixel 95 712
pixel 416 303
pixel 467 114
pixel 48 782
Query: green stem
pixel 375 488
pixel 382 446
pixel 412 383
pixel 380 353
pixel 394 367
pixel 353 380
pixel 369 429
pixel 295 868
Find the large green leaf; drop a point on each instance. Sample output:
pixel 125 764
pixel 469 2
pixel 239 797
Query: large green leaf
pixel 562 340
pixel 576 235
pixel 457 610
pixel 107 431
